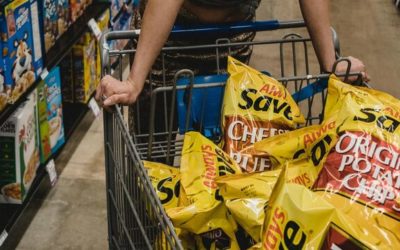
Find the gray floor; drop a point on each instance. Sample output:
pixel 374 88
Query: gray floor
pixel 73 215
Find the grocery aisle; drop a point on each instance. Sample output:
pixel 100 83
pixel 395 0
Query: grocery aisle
pixel 73 215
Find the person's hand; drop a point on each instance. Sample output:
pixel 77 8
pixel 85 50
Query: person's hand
pixel 112 91
pixel 356 66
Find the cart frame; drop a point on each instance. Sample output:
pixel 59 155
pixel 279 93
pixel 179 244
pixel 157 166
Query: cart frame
pixel 136 218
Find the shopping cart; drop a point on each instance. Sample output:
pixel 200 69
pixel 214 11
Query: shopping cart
pixel 136 218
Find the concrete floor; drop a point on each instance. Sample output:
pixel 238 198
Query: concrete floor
pixel 73 215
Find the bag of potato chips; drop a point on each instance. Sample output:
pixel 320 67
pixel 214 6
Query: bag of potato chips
pixel 360 173
pixel 166 182
pixel 203 212
pixel 246 194
pixel 357 158
pixel 255 106
pixel 297 218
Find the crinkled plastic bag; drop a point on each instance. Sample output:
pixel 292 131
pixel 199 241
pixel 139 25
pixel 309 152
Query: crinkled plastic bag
pixel 297 218
pixel 356 155
pixel 203 212
pixel 255 106
pixel 166 182
pixel 246 195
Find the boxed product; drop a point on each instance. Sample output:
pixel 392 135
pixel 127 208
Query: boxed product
pixel 76 8
pixel 19 154
pixel 85 70
pixel 52 92
pixel 67 75
pixel 38 62
pixel 116 5
pixel 123 22
pixel 44 127
pixel 50 116
pixel 3 95
pixel 102 22
pixel 21 56
pixel 64 16
pixel 50 23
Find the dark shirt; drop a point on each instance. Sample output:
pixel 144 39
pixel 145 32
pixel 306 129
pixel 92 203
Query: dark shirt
pixel 247 6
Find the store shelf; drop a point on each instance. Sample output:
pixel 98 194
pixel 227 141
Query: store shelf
pixel 60 50
pixel 19 216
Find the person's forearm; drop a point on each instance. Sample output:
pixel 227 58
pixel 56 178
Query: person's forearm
pixel 316 16
pixel 158 19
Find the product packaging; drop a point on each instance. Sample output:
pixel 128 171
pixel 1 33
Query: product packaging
pixel 50 114
pixel 64 16
pixel 21 55
pixel 85 68
pixel 50 22
pixel 355 155
pixel 19 154
pixel 201 210
pixel 255 107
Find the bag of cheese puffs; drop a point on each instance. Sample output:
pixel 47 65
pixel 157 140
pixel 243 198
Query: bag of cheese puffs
pixel 255 106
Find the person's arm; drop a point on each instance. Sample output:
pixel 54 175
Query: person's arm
pixel 158 19
pixel 316 16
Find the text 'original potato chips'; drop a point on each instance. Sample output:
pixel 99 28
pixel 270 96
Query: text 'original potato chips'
pixel 202 212
pixel 356 156
pixel 255 106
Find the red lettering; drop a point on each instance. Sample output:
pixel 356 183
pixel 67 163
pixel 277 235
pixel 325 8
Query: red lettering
pixel 279 215
pixel 211 184
pixel 272 90
pixel 308 140
pixel 206 147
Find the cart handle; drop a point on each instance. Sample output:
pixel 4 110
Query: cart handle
pixel 209 29
pixel 236 27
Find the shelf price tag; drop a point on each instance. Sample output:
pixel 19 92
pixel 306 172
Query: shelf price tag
pixel 3 237
pixel 51 170
pixel 44 74
pixel 94 107
pixel 94 27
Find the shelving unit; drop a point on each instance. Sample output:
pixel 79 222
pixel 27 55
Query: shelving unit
pixel 12 216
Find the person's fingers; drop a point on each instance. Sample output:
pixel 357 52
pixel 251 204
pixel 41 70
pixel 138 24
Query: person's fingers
pixel 117 98
pixel 365 76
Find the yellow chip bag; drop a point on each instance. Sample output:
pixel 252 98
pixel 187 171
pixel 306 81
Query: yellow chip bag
pixel 294 144
pixel 357 158
pixel 203 212
pixel 297 218
pixel 255 106
pixel 245 195
pixel 166 182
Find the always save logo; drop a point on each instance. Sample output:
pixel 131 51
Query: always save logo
pixel 283 233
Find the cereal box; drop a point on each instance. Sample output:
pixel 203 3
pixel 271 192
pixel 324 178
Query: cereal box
pixel 19 154
pixel 17 44
pixel 3 96
pixel 54 109
pixel 50 23
pixel 76 8
pixel 67 75
pixel 64 16
pixel 102 22
pixel 44 127
pixel 85 68
pixel 36 37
